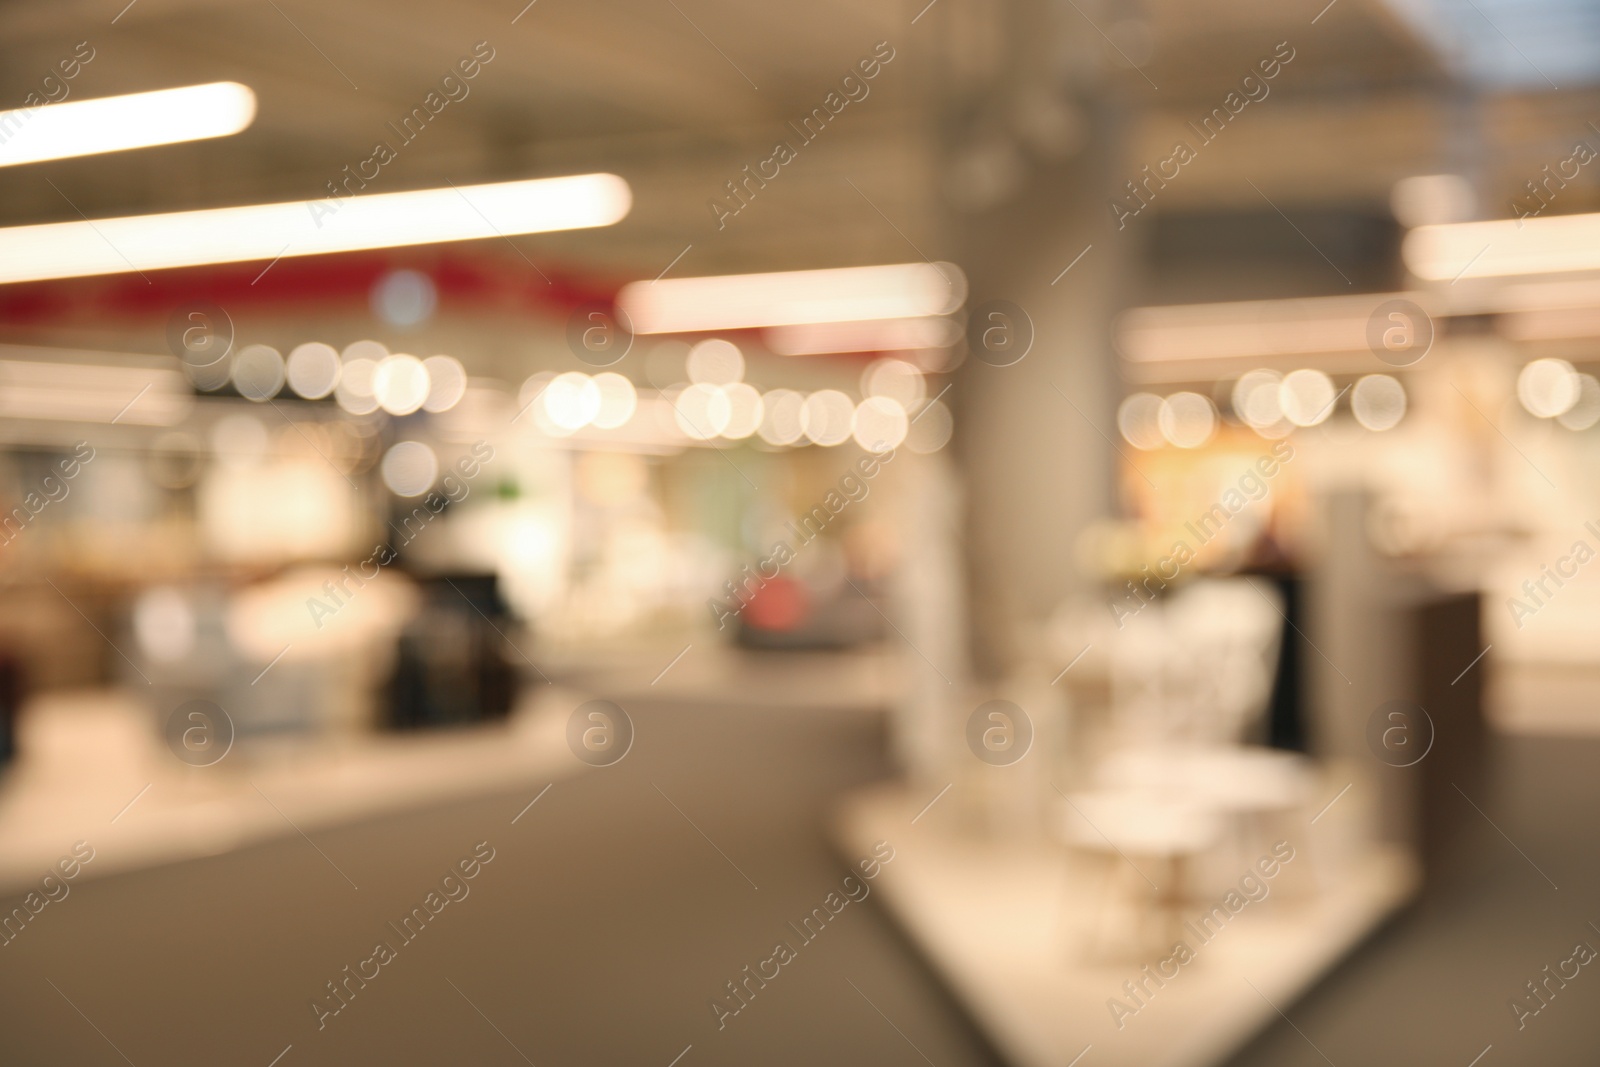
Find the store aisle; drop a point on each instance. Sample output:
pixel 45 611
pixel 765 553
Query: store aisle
pixel 1436 986
pixel 598 933
pixel 614 959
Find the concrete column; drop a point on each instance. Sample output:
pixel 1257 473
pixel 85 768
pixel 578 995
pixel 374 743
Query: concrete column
pixel 1032 437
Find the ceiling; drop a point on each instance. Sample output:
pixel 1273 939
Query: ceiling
pixel 679 95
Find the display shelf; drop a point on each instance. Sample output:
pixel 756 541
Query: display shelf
pixel 996 919
pixel 709 673
pixel 92 770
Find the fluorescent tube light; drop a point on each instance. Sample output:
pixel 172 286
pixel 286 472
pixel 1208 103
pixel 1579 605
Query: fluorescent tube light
pixel 268 231
pixel 118 123
pixel 878 335
pixel 745 301
pixel 89 392
pixel 1251 329
pixel 1504 247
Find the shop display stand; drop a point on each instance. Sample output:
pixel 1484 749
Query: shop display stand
pixel 997 920
pixel 95 773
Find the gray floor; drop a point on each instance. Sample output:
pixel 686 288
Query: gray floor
pixel 607 921
pixel 598 934
pixel 1516 893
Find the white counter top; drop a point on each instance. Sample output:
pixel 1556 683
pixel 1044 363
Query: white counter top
pixel 989 915
pixel 92 769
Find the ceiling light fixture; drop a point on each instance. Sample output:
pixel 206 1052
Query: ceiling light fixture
pixel 62 387
pixel 894 335
pixel 268 231
pixel 1250 329
pixel 1503 248
pixel 118 123
pixel 793 298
